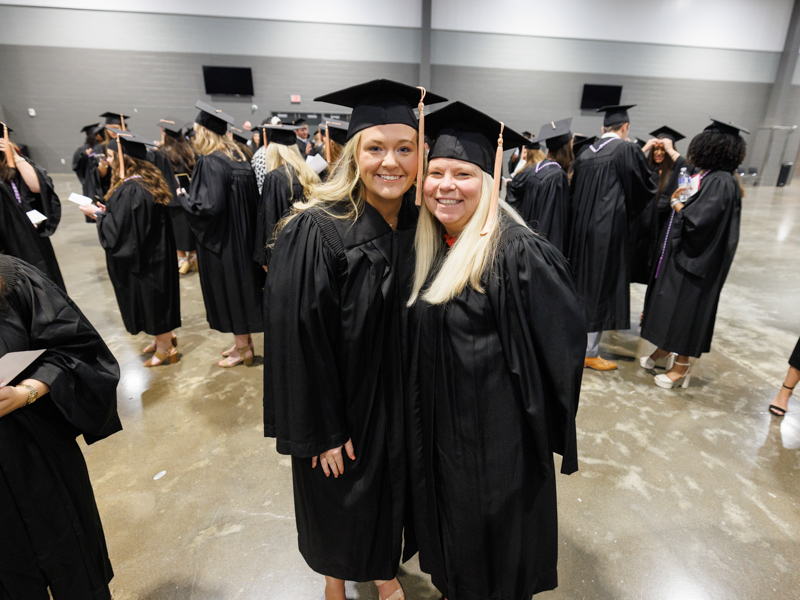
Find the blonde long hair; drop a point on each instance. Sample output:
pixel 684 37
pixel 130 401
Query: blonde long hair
pixel 277 155
pixel 469 257
pixel 207 142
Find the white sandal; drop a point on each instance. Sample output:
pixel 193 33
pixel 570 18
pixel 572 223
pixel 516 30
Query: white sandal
pixel 663 380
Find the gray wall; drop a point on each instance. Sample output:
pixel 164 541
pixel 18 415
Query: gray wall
pixel 151 68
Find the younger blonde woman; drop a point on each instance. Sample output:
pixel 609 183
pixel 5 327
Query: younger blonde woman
pixel 222 203
pixel 288 180
pixel 338 275
pixel 496 344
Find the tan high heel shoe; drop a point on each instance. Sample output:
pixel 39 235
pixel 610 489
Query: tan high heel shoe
pixel 243 358
pixel 398 594
pixel 169 357
pixel 152 347
pixel 184 265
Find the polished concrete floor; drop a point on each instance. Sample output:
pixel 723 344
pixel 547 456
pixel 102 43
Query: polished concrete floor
pixel 681 495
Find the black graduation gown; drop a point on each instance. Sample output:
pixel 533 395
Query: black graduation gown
pixel 493 392
pixel 794 359
pixel 646 229
pixel 51 530
pixel 80 162
pixel 18 236
pixel 332 372
pixel 609 187
pixel 140 254
pixel 184 237
pixel 96 186
pixel 682 297
pixel 277 197
pixel 540 195
pixel 222 204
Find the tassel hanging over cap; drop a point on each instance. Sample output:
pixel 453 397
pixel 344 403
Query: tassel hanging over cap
pixel 121 157
pixel 498 175
pixel 327 143
pixel 420 147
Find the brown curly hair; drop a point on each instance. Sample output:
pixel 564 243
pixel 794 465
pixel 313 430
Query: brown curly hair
pixel 151 178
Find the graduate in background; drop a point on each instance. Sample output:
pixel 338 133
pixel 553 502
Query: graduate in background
pixel 333 386
pixel 611 184
pixel 334 138
pixel 698 247
pixel 81 158
pixel 25 187
pixel 289 179
pixel 530 156
pixel 175 158
pixel 665 163
pixel 135 231
pixel 242 138
pixel 540 194
pixel 222 204
pixel 52 536
pixel 497 338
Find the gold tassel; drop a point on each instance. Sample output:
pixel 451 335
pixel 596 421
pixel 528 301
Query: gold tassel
pixel 121 158
pixel 498 175
pixel 327 143
pixel 122 121
pixel 420 146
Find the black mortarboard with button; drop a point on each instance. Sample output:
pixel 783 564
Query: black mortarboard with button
pixel 241 135
pixel 281 134
pixel 531 142
pixel 668 133
pixel 171 127
pixel 133 144
pixel 380 102
pixel 615 115
pixel 465 133
pixel 114 118
pixel 212 118
pixel 581 143
pixel 555 134
pixel 87 129
pixel 725 127
pixel 337 130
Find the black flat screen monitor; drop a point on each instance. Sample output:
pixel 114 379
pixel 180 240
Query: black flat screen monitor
pixel 228 81
pixel 597 96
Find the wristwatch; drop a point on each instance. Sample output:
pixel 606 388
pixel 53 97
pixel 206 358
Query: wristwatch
pixel 32 393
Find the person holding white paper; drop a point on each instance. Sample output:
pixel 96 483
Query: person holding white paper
pixel 52 536
pixel 25 187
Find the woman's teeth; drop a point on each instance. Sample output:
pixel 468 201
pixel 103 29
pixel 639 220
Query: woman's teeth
pixel 390 177
pixel 448 202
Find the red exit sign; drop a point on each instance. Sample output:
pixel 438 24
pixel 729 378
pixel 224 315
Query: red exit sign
pixel 295 98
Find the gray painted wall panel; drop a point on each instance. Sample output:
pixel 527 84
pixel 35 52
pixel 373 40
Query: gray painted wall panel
pixel 69 87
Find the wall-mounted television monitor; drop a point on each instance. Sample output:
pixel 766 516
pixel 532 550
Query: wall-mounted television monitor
pixel 597 96
pixel 228 81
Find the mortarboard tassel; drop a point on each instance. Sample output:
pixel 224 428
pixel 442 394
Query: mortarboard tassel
pixel 498 174
pixel 122 121
pixel 420 146
pixel 121 158
pixel 327 143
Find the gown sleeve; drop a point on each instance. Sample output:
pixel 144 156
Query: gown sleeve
pixel 554 215
pixel 123 226
pixel 544 337
pixel 207 201
pixel 77 365
pixel 700 236
pixel 637 179
pixel 276 200
pixel 46 201
pixel 304 406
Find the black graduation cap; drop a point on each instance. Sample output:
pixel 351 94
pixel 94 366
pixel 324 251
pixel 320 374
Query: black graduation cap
pixel 171 127
pixel 337 130
pixel 556 134
pixel 667 132
pixel 281 134
pixel 133 144
pixel 3 128
pixel 725 127
pixel 114 118
pixel 212 118
pixel 380 102
pixel 581 143
pixel 87 129
pixel 641 142
pixel 531 142
pixel 301 122
pixel 467 134
pixel 615 115
pixel 241 135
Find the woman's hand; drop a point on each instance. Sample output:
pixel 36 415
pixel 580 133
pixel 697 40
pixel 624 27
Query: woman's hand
pixel 332 460
pixel 12 398
pixel 650 144
pixel 90 210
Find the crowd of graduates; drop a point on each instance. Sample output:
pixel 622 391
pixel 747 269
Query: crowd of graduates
pixel 426 320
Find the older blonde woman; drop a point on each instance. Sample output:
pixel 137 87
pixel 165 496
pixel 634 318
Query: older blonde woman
pixel 497 340
pixel 333 387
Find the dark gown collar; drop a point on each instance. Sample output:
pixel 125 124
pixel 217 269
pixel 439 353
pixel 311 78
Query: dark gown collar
pixel 371 225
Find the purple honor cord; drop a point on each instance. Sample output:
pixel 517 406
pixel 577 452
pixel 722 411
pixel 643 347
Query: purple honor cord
pixel 544 164
pixel 603 145
pixel 16 192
